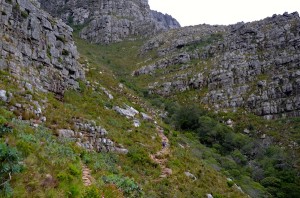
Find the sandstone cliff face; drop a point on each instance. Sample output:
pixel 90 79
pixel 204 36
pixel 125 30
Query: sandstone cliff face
pixel 252 65
pixel 37 48
pixel 107 21
pixel 165 20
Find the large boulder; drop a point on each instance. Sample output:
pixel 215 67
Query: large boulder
pixel 3 96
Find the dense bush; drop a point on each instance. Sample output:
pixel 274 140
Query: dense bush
pixel 139 156
pixel 209 130
pixel 92 192
pixel 5 127
pixel 9 164
pixel 127 185
pixel 270 165
pixel 186 118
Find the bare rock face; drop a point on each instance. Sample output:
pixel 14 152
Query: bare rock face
pixel 37 48
pixel 107 21
pixel 166 21
pixel 250 65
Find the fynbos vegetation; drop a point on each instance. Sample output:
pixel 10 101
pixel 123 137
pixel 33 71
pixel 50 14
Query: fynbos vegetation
pixel 158 111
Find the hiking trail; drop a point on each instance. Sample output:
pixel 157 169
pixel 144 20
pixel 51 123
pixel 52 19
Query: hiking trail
pixel 86 176
pixel 161 157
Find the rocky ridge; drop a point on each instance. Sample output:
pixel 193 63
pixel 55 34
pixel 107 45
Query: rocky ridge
pixel 252 65
pixel 37 48
pixel 107 21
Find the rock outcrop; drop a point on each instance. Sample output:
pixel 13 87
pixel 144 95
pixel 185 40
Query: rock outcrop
pixel 166 21
pixel 251 65
pixel 107 21
pixel 37 48
pixel 91 137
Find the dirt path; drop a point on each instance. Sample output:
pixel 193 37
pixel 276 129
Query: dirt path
pixel 161 157
pixel 86 176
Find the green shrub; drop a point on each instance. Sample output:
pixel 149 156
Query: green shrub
pixel 86 157
pixel 9 164
pixel 127 185
pixel 16 8
pixel 6 190
pixel 2 120
pixel 82 86
pixel 29 138
pixel 49 52
pixel 187 118
pixel 24 14
pixel 63 176
pixel 239 157
pixel 235 173
pixel 65 52
pixel 92 192
pixel 73 191
pixel 270 181
pixel 5 113
pixel 25 148
pixel 175 134
pixel 139 156
pixel 74 170
pixel 216 195
pixel 4 129
pixel 61 38
pixel 70 20
pixel 230 183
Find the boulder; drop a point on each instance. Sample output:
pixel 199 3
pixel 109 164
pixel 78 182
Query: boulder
pixel 167 171
pixel 3 96
pixel 121 150
pixel 129 112
pixel 66 133
pixel 209 196
pixel 190 175
pixel 146 117
pixel 136 123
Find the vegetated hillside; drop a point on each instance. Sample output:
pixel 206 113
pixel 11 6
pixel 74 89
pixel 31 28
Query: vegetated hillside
pixel 98 139
pixel 104 139
pixel 53 141
pixel 261 155
pixel 106 21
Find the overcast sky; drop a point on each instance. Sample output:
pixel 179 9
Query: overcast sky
pixel 194 12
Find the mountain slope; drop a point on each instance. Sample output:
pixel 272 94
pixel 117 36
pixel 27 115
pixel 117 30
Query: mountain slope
pixel 104 138
pixel 49 142
pixel 253 65
pixel 248 148
pixel 107 21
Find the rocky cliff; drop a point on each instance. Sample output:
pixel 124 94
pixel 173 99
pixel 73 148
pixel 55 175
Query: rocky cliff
pixel 107 21
pixel 37 48
pixel 251 65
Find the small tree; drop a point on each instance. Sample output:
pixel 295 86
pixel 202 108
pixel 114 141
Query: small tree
pixel 187 118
